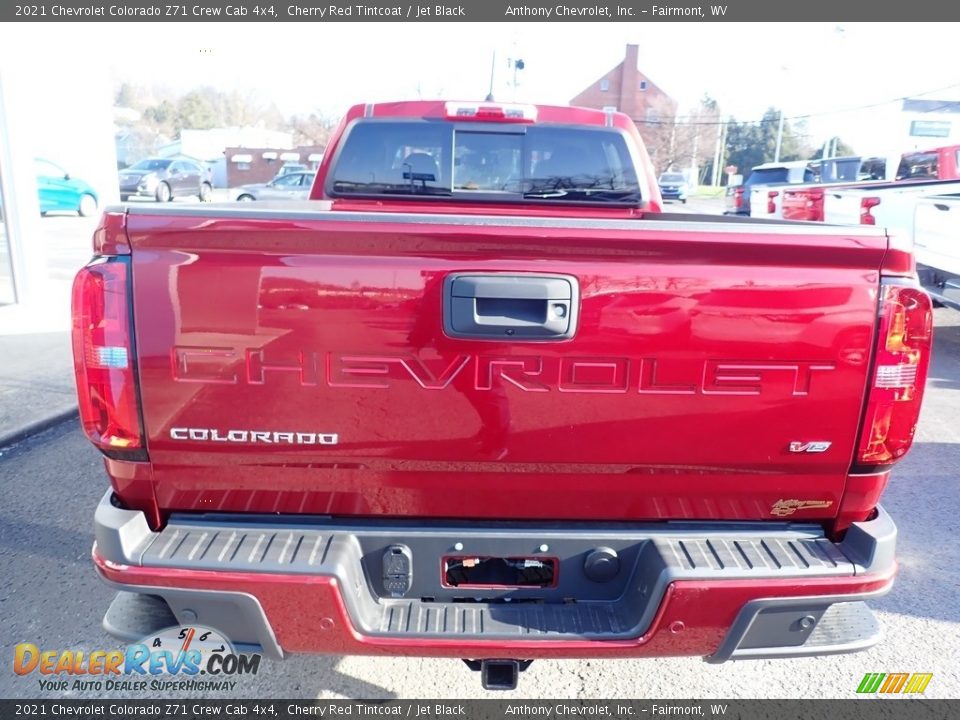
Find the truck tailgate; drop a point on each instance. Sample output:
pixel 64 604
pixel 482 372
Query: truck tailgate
pixel 295 360
pixel 842 207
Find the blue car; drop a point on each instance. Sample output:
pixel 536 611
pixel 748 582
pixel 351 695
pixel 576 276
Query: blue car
pixel 60 192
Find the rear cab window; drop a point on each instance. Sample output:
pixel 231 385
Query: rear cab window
pixel 845 170
pixel 288 180
pixel 781 176
pixel 833 170
pixel 485 162
pixel 672 178
pixel 873 169
pixel 919 166
pixel 767 176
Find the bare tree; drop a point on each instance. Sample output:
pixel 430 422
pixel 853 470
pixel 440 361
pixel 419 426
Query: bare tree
pixel 313 129
pixel 681 141
pixel 658 131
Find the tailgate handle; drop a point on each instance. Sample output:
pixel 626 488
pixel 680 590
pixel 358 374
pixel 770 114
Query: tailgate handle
pixel 510 306
pixel 941 206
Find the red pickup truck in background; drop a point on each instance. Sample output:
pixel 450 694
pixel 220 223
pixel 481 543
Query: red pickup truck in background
pixel 480 399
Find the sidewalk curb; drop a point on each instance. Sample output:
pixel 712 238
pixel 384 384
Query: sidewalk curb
pixel 22 433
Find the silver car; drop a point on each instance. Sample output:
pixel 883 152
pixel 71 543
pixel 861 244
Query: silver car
pixel 292 186
pixel 164 179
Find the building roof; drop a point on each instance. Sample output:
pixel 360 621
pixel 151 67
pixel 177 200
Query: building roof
pixel 625 88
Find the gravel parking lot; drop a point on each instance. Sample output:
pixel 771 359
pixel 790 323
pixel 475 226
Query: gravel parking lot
pixel 50 595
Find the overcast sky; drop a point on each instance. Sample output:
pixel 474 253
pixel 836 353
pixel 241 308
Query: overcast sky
pixel 815 68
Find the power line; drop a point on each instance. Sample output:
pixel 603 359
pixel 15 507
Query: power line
pixel 683 118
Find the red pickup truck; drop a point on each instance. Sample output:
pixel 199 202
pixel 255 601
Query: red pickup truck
pixel 480 399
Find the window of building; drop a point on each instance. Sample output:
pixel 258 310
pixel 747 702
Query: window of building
pixel 242 162
pixel 604 85
pixel 643 84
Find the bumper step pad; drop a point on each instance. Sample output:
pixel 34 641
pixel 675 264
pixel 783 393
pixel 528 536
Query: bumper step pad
pixel 577 606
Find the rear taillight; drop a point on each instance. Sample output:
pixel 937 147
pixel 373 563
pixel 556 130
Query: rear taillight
pixel 815 205
pixel 899 373
pixel 103 356
pixel 771 202
pixel 866 205
pixel 738 198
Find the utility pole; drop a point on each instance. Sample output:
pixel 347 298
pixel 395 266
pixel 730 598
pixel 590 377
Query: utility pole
pixel 723 148
pixel 694 166
pixel 776 154
pixel 718 155
pixel 493 71
pixel 784 73
pixel 671 153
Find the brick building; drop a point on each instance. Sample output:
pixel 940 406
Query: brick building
pixel 249 165
pixel 631 92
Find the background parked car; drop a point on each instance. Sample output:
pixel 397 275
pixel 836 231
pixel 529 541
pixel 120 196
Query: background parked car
pixel 58 191
pixel 674 186
pixel 292 186
pixel 165 179
pixel 288 168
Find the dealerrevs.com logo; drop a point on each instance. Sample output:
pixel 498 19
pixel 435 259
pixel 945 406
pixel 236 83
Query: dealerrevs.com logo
pixel 181 658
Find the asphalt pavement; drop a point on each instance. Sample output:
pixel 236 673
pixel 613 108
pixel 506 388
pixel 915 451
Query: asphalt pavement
pixel 50 595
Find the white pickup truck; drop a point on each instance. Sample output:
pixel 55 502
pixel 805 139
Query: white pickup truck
pixel 936 239
pixel 839 172
pixel 888 205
